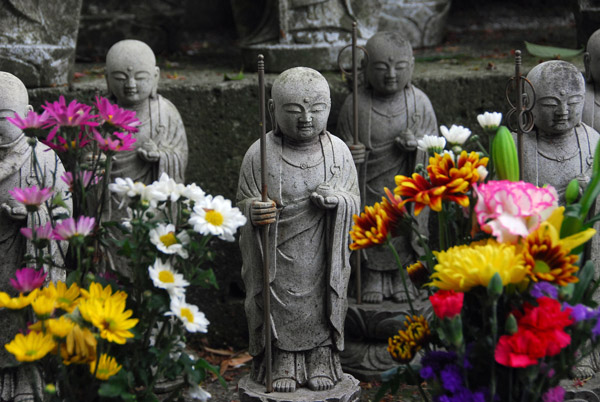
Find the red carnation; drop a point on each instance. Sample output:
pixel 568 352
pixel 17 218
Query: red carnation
pixel 447 303
pixel 521 349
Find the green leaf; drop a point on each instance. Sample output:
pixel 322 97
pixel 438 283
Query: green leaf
pixel 586 274
pixel 551 52
pixel 237 77
pixel 205 278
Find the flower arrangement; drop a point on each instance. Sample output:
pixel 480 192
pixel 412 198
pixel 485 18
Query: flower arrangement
pixel 511 294
pixel 127 320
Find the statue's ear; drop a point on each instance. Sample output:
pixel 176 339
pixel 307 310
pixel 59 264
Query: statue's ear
pixel 587 59
pixel 155 84
pixel 29 108
pixel 363 70
pixel 271 107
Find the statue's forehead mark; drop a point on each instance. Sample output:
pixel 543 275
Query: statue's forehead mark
pixel 129 68
pixel 306 100
pixel 562 92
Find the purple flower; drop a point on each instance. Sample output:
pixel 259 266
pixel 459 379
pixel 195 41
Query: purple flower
pixel 579 312
pixel 427 373
pixel 437 359
pixel 596 330
pixel 540 289
pixel 556 394
pixel 28 279
pixel 451 378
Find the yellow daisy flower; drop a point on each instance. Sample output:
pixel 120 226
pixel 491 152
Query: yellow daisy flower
pixel 30 347
pixel 59 327
pixel 79 346
pixel 96 291
pixel 110 318
pixel 19 302
pixel 66 299
pixel 107 367
pixel 461 268
pixel 43 305
pixel 548 257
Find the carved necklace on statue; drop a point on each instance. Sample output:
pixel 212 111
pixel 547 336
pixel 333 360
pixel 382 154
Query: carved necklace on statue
pixel 307 164
pixel 413 118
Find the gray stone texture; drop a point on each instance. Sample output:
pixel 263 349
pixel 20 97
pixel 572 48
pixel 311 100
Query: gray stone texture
pixel 38 38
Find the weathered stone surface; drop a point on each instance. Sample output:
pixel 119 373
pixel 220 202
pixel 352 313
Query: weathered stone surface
pixel 37 42
pixel 346 390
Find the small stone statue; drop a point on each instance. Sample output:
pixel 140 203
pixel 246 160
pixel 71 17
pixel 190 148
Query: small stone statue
pixel 16 171
pixel 313 186
pixel 591 61
pixel 392 115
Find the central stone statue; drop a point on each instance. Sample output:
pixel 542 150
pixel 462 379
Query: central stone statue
pixel 313 186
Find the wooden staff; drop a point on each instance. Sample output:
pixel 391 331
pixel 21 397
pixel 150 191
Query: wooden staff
pixel 265 228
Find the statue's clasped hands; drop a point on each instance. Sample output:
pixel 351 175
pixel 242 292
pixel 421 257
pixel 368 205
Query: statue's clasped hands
pixel 406 140
pixel 149 151
pixel 324 196
pixel 14 210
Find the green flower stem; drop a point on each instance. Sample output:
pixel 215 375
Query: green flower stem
pixel 416 378
pixel 402 275
pixel 442 226
pixel 494 341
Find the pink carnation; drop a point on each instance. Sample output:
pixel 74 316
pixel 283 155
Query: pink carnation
pixel 509 210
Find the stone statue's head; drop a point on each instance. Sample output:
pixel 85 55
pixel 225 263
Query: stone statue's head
pixel 390 63
pixel 300 103
pixel 591 58
pixel 131 72
pixel 559 91
pixel 13 99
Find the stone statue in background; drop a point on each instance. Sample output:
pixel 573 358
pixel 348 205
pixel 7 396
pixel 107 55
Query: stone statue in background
pixel 16 171
pixel 591 61
pixel 392 116
pixel 313 186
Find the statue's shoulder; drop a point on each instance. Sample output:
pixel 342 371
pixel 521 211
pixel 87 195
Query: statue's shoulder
pixel 166 105
pixel 590 130
pixel 420 96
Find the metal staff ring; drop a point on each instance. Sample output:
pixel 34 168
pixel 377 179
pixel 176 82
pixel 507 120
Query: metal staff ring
pixel 339 61
pixel 507 90
pixel 531 102
pixel 525 120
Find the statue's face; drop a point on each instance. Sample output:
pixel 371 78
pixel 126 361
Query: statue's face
pixel 595 64
pixel 558 110
pixel 389 69
pixel 302 115
pixel 131 81
pixel 8 107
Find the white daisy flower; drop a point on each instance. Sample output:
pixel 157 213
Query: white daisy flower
pixel 164 238
pixel 489 121
pixel 456 135
pixel 431 144
pixel 169 187
pixel 216 216
pixel 165 277
pixel 194 193
pixel 197 392
pixel 193 319
pixel 125 188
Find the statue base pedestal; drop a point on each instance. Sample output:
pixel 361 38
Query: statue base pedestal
pixel 346 390
pixel 279 57
pixel 367 329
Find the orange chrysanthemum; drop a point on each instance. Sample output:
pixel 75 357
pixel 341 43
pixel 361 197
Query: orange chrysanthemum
pixel 418 190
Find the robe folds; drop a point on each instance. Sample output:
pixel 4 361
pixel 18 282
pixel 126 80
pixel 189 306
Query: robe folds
pixel 308 247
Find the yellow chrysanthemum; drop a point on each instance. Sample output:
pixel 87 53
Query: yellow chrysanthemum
pixel 461 268
pixel 43 305
pixel 416 333
pixel 79 346
pixel 19 302
pixel 110 318
pixel 96 291
pixel 400 350
pixel 107 367
pixel 59 327
pixel 548 257
pixel 30 347
pixel 66 299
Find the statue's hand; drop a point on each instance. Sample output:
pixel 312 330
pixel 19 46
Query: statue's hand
pixel 263 213
pixel 91 159
pixel 406 141
pixel 149 151
pixel 324 197
pixel 358 153
pixel 16 212
pixel 583 180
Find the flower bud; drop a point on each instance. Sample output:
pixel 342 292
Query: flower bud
pixel 495 286
pixel 50 389
pixel 572 191
pixel 504 155
pixel 511 324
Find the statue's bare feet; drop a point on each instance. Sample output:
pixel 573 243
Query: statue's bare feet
pixel 399 297
pixel 284 385
pixel 372 297
pixel 320 383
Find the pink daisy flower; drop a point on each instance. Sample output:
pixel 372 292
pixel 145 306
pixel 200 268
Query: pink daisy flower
pixel 113 115
pixel 68 228
pixel 28 279
pixel 31 197
pixel 41 232
pixel 86 178
pixel 61 144
pixel 116 142
pixel 74 114
pixel 32 124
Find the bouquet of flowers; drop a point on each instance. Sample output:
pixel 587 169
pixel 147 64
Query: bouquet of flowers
pixel 512 295
pixel 126 320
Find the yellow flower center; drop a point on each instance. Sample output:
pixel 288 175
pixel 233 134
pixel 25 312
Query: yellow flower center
pixel 109 324
pixel 214 217
pixel 31 353
pixel 110 116
pixel 187 314
pixel 168 239
pixel 166 277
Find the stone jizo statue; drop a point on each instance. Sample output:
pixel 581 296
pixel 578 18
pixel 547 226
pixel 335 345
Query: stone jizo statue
pixel 313 193
pixel 16 171
pixel 591 61
pixel 393 116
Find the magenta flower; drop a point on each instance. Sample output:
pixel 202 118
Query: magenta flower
pixel 556 394
pixel 68 228
pixel 31 197
pixel 116 142
pixel 61 144
pixel 74 114
pixel 41 232
pixel 32 124
pixel 120 118
pixel 509 210
pixel 28 279
pixel 85 177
